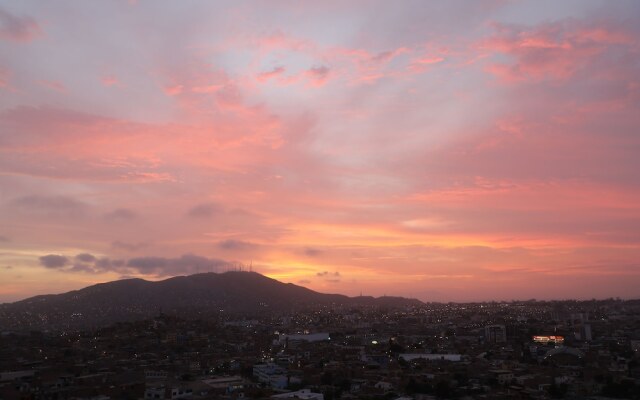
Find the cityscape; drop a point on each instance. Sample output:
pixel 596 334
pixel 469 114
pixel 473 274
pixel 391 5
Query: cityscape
pixel 319 199
pixel 335 350
pixel 493 350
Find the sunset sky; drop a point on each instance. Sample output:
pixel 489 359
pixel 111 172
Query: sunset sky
pixel 447 151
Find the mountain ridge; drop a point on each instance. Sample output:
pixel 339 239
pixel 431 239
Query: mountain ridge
pixel 200 296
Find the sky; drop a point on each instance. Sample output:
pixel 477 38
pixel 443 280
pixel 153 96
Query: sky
pixel 445 151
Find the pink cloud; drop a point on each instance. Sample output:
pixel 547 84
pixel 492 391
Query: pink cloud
pixel 552 51
pixel 202 90
pixel 110 80
pixel 207 88
pixel 5 75
pixel 173 90
pixel 18 28
pixel 267 75
pixel 318 76
pixel 279 39
pixel 421 64
pixel 387 56
pixel 66 144
pixel 53 85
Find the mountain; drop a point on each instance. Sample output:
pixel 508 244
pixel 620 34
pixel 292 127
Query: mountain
pixel 200 295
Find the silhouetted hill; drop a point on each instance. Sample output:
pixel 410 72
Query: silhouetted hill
pixel 200 295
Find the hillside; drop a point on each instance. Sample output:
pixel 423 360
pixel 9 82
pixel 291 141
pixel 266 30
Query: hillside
pixel 200 295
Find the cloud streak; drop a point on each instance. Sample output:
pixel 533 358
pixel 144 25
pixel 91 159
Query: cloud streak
pixel 60 206
pixel 151 266
pixel 54 261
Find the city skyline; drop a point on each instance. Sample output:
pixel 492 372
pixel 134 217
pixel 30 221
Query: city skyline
pixel 442 151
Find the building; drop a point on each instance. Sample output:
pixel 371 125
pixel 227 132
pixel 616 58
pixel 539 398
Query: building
pixel 271 374
pixel 310 337
pixel 544 339
pixel 582 332
pixel 226 383
pixel 431 357
pixel 495 334
pixel 167 392
pixel 305 394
